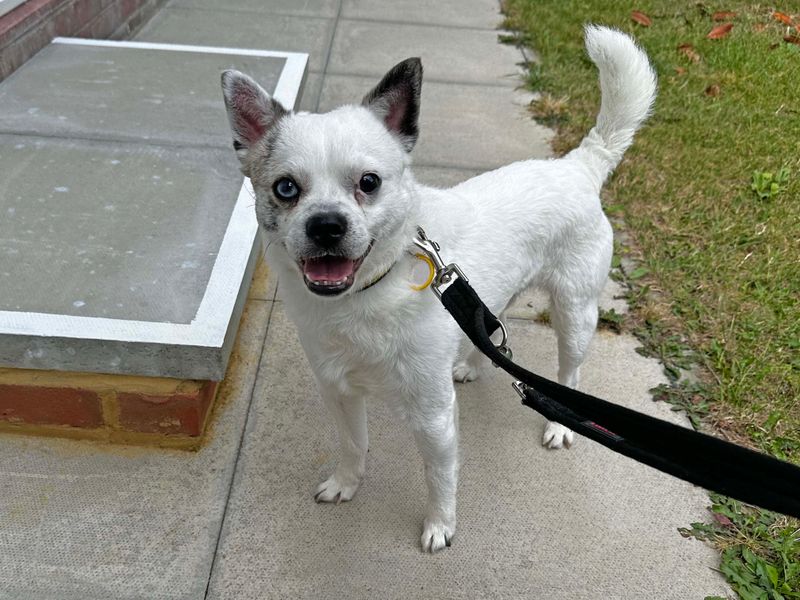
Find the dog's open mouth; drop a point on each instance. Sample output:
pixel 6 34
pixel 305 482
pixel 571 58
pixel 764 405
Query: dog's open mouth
pixel 330 275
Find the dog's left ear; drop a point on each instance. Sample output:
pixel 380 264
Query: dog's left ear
pixel 251 111
pixel 395 100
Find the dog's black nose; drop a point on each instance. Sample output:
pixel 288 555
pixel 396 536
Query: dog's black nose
pixel 326 229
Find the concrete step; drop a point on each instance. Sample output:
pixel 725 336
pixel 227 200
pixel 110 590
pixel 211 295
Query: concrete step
pixel 128 238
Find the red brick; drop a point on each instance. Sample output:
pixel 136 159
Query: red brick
pixel 50 406
pixel 172 414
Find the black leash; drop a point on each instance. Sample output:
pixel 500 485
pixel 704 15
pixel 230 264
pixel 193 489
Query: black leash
pixel 700 459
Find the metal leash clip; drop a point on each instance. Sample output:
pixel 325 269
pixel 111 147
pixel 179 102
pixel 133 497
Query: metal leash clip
pixel 444 273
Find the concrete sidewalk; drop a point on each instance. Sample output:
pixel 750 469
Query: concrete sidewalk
pixel 237 520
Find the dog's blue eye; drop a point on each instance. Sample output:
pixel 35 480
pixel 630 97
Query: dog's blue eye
pixel 286 189
pixel 369 183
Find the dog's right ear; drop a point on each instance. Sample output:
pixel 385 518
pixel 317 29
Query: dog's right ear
pixel 395 100
pixel 251 111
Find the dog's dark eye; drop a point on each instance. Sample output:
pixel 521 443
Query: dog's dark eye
pixel 286 189
pixel 369 183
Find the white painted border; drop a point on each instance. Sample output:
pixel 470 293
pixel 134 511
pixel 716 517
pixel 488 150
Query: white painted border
pixel 210 324
pixel 286 90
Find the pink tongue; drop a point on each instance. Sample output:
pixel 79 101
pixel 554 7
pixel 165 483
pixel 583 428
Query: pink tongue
pixel 328 268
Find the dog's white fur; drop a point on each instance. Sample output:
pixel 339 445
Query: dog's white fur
pixel 531 223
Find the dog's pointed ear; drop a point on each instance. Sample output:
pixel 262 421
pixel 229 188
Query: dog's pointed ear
pixel 395 100
pixel 251 110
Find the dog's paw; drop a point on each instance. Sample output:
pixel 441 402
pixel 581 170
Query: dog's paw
pixel 464 372
pixel 336 489
pixel 437 534
pixel 557 436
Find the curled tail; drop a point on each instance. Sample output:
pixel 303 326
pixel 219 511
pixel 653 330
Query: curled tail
pixel 628 89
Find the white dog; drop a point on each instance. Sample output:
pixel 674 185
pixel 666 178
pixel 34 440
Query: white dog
pixel 339 206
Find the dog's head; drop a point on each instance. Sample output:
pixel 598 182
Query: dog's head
pixel 328 186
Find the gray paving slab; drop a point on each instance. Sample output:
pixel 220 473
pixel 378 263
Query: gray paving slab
pixel 442 177
pixel 578 524
pixel 83 521
pixel 479 14
pixel 306 8
pixel 311 92
pixel 122 94
pixel 237 29
pixel 142 249
pixel 463 126
pixel 448 54
pixel 531 303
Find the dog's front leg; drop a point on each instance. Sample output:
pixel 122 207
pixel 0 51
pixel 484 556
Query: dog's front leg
pixel 350 414
pixel 434 422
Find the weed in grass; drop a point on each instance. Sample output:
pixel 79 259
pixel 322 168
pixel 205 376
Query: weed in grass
pixel 611 320
pixel 671 349
pixel 758 549
pixel 548 110
pixel 690 397
pixel 766 184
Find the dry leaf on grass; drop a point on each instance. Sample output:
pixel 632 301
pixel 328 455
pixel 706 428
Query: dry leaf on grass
pixel 722 520
pixel 680 71
pixel 641 18
pixel 712 90
pixel 723 15
pixel 792 39
pixel 720 31
pixel 689 52
pixel 782 17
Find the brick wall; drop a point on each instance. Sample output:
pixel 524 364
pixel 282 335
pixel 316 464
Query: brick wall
pixel 114 408
pixel 32 25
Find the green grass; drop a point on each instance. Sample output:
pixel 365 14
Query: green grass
pixel 709 196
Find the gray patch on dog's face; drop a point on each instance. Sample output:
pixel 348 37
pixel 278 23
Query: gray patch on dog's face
pixel 326 156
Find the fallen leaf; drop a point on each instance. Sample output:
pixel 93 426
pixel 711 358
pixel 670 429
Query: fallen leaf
pixel 713 90
pixel 782 17
pixel 723 15
pixel 792 39
pixel 689 52
pixel 680 71
pixel 720 31
pixel 641 18
pixel 723 520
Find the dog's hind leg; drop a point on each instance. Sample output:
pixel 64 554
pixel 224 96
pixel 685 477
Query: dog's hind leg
pixel 350 414
pixel 574 323
pixel 469 363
